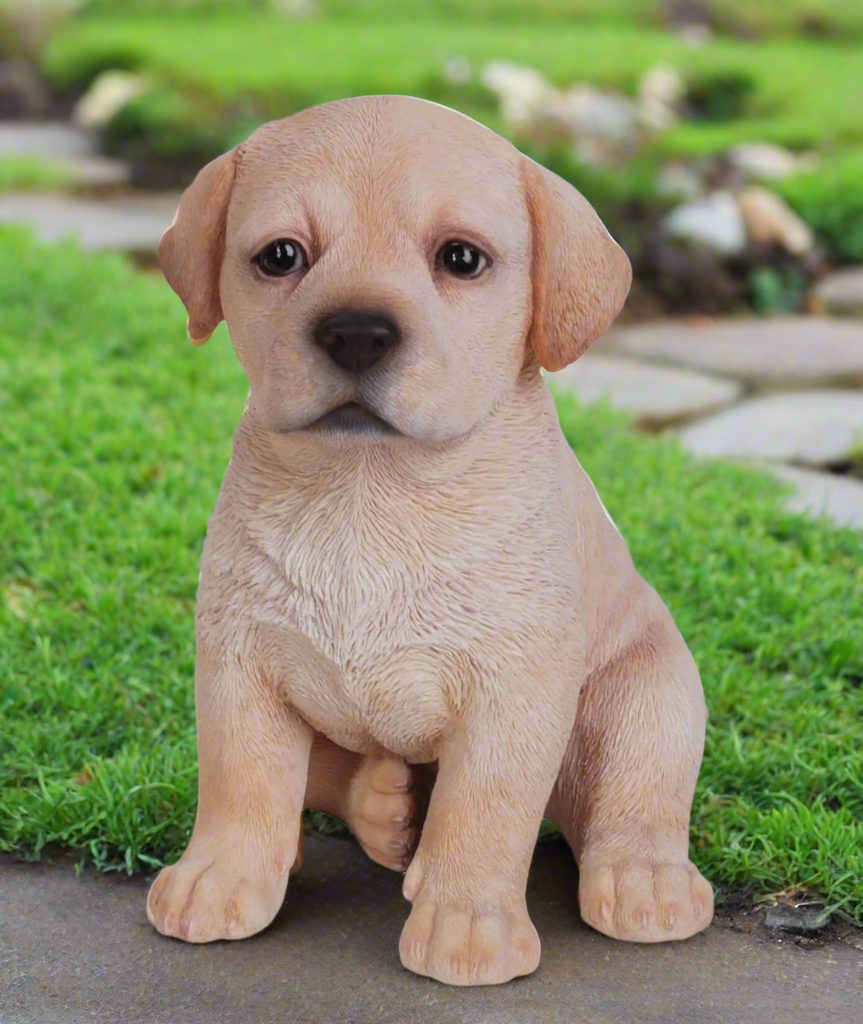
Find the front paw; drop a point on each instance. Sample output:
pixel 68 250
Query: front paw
pixel 214 893
pixel 467 943
pixel 641 900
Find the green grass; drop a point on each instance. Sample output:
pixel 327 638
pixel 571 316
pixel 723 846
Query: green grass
pixel 840 18
pixel 830 200
pixel 116 434
pixel 244 68
pixel 23 173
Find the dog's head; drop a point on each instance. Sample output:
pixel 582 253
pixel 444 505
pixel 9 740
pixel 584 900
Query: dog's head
pixel 387 266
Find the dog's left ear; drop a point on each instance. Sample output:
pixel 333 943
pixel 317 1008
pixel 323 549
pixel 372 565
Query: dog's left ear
pixel 581 276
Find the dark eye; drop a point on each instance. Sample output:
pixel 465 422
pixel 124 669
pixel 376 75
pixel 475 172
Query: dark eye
pixel 461 259
pixel 282 257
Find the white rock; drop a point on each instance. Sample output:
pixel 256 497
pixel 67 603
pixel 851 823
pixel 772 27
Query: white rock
pixel 294 8
pixel 107 95
pixel 596 152
pixel 816 428
pixel 587 112
pixel 656 117
pixel 715 221
pixel 662 84
pixel 652 395
pixel 839 498
pixel 695 36
pixel 659 91
pixel 842 292
pixel 769 162
pixel 457 70
pixel 679 181
pixel 770 220
pixel 518 89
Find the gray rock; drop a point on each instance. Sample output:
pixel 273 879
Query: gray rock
pixel 714 220
pixel 768 162
pixel 842 291
pixel 796 919
pixel 679 181
pixel 815 428
pixel 764 351
pixel 108 93
pixel 652 395
pixel 838 498
pixel 132 224
pixel 771 221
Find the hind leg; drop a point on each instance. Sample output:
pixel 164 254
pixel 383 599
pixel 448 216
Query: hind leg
pixel 625 789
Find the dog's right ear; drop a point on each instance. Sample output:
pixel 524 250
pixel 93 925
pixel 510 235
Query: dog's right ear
pixel 191 250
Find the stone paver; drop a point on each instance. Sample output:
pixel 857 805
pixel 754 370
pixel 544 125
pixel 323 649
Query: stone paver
pixel 81 949
pixel 842 291
pixel 95 171
pixel 816 428
pixel 652 395
pixel 767 352
pixel 128 224
pixel 69 148
pixel 46 139
pixel 839 498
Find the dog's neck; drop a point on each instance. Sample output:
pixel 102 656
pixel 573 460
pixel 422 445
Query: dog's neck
pixel 515 432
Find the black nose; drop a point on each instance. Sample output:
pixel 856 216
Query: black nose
pixel 356 341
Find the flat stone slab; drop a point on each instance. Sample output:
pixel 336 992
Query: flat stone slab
pixel 652 395
pixel 95 171
pixel 71 149
pixel 768 352
pixel 46 139
pixel 131 224
pixel 842 291
pixel 80 949
pixel 838 498
pixel 816 428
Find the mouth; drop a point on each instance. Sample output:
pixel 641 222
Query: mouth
pixel 351 418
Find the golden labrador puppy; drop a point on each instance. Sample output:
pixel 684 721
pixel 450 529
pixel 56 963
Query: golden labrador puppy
pixel 406 564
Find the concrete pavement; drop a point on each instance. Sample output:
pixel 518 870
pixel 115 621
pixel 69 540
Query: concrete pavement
pixel 79 949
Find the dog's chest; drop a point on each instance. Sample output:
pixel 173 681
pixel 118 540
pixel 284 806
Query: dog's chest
pixel 393 617
pixel 410 605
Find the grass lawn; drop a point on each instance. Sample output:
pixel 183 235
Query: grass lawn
pixel 116 434
pixel 830 18
pixel 30 172
pixel 805 92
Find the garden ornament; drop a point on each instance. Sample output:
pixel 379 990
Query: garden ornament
pixel 407 575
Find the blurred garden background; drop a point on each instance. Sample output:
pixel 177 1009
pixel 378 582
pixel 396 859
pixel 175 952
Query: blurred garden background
pixel 721 141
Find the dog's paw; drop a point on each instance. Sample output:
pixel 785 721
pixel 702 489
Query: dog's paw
pixel 382 811
pixel 462 943
pixel 639 900
pixel 211 895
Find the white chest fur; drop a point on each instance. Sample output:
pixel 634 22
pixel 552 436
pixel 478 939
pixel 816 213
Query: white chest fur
pixel 411 595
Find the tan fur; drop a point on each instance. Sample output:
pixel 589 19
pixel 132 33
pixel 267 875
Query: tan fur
pixel 448 601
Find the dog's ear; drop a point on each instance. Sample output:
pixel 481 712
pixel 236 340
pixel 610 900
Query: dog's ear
pixel 581 276
pixel 191 250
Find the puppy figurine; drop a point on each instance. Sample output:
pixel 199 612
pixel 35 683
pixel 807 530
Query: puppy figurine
pixel 406 564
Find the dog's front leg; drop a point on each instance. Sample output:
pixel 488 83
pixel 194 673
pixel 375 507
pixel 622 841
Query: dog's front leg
pixel 469 923
pixel 253 755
